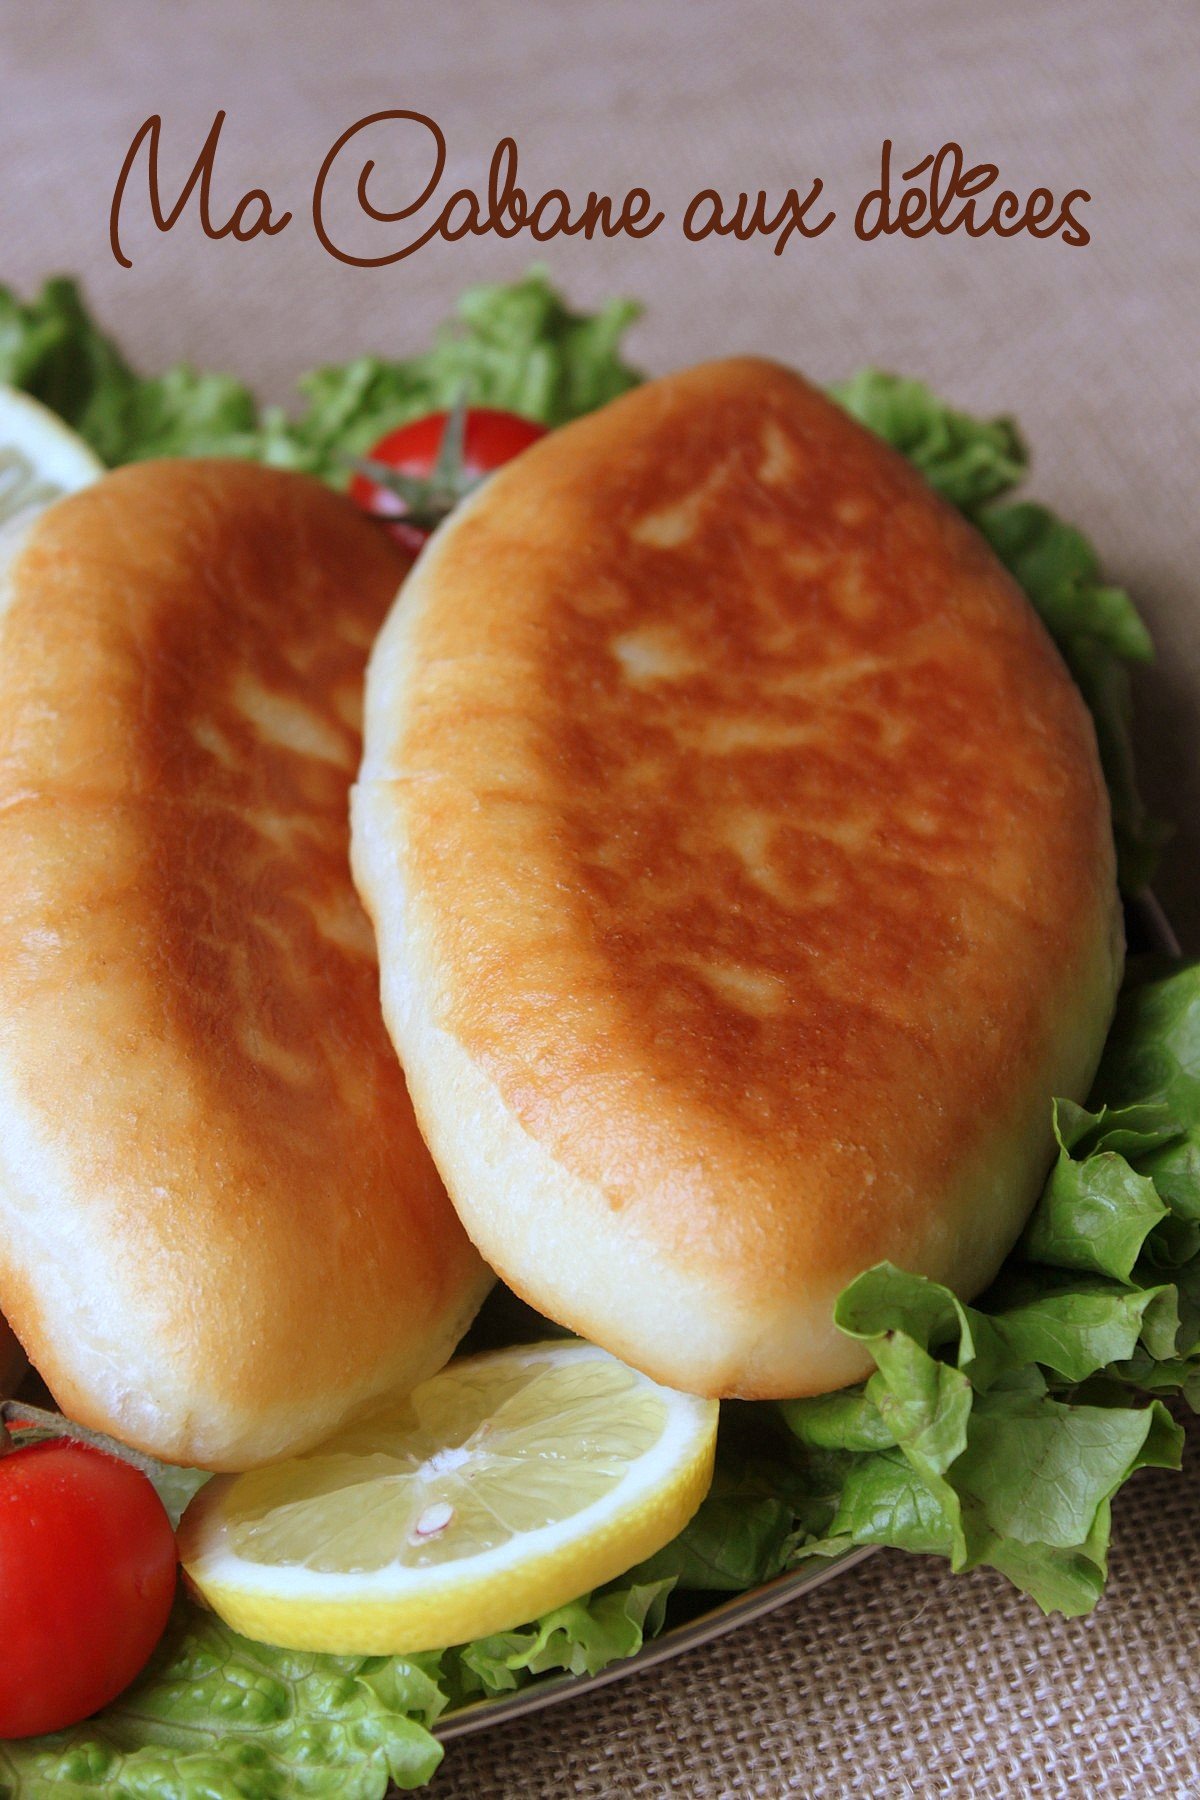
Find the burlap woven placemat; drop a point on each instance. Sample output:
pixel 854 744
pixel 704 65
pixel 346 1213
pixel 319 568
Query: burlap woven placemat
pixel 902 1680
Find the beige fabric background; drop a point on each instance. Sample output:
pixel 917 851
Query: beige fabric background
pixel 896 1682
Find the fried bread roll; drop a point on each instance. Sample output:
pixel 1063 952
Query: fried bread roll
pixel 741 867
pixel 220 1231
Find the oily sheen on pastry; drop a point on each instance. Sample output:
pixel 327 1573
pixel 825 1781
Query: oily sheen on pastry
pixel 220 1231
pixel 741 868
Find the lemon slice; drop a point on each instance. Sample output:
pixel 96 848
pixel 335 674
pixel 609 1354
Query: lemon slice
pixel 40 457
pixel 505 1486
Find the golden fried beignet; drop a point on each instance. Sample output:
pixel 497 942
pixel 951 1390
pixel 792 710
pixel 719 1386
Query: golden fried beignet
pixel 220 1231
pixel 741 866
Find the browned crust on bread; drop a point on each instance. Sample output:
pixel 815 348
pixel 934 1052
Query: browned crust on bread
pixel 220 1230
pixel 753 843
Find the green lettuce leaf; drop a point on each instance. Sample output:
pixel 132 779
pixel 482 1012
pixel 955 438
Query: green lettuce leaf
pixel 1153 1057
pixel 578 1639
pixel 53 349
pixel 1096 1214
pixel 762 1493
pixel 969 461
pixel 1074 1326
pixel 988 1467
pixel 518 347
pixel 1059 571
pixel 884 1501
pixel 216 1716
pixel 998 1433
pixel 1098 632
pixel 846 1420
pixel 972 462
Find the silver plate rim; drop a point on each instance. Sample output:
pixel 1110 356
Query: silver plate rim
pixel 741 1609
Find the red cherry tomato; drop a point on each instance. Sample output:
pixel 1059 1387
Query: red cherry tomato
pixel 87 1577
pixel 490 438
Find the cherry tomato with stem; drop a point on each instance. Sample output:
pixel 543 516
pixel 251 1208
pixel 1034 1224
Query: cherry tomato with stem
pixel 418 473
pixel 87 1579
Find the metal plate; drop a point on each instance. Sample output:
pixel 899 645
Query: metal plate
pixel 713 1623
pixel 1147 928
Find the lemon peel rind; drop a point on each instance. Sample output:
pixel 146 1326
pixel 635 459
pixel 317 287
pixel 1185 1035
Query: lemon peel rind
pixel 59 456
